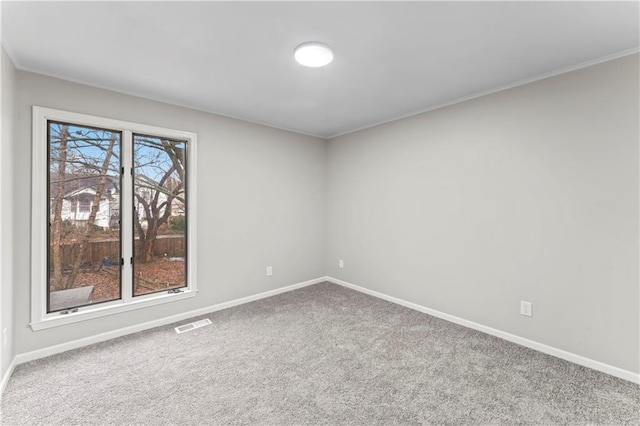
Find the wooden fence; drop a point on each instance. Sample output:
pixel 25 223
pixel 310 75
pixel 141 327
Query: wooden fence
pixel 97 251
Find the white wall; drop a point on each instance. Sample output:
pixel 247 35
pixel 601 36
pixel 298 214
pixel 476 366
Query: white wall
pixel 261 193
pixel 7 142
pixel 526 194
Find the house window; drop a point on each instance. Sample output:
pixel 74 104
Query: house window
pixel 85 205
pixel 119 225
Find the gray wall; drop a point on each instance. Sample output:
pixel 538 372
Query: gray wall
pixel 526 194
pixel 261 193
pixel 7 143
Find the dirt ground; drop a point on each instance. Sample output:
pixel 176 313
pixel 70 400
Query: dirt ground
pixel 161 274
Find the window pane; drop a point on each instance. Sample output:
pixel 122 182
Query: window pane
pixel 160 214
pixel 84 210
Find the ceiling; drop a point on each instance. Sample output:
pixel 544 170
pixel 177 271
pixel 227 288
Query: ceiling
pixel 392 59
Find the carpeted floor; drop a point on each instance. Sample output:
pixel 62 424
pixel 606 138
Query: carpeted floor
pixel 319 355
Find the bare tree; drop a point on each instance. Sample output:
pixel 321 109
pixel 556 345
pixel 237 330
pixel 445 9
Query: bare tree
pixel 79 158
pixel 56 224
pixel 82 158
pixel 164 161
pixel 102 180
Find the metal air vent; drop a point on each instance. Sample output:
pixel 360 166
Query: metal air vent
pixel 192 326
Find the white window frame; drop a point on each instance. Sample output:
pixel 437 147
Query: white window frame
pixel 40 319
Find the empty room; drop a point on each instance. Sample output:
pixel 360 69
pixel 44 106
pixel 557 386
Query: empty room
pixel 337 213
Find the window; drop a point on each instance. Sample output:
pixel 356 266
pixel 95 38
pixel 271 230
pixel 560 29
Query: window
pixel 83 162
pixel 119 223
pixel 85 204
pixel 159 182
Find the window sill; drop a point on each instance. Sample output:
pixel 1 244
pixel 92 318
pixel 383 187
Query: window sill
pixel 105 309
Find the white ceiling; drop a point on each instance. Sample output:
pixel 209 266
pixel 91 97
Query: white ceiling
pixel 392 59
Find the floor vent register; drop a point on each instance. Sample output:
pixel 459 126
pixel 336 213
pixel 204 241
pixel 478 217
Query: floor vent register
pixel 192 326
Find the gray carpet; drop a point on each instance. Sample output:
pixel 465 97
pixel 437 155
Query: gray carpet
pixel 319 355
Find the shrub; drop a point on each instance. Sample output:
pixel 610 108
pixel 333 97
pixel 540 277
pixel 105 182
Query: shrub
pixel 178 223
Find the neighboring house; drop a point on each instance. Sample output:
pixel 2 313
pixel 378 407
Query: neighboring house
pixel 77 205
pixel 78 200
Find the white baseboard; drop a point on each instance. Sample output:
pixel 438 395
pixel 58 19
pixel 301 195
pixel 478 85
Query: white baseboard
pixel 549 350
pixel 7 375
pixel 52 350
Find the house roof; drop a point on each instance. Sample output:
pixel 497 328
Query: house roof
pixel 77 185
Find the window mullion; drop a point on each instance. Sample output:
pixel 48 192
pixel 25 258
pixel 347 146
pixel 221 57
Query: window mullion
pixel 126 217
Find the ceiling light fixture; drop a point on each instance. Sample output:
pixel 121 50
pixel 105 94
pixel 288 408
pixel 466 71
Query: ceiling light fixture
pixel 313 54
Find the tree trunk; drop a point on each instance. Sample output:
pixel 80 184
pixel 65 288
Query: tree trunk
pixel 92 215
pixel 56 225
pixel 149 242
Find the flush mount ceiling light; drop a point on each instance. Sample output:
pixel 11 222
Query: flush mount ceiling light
pixel 313 54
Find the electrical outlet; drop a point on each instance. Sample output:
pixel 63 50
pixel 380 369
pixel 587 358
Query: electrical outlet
pixel 525 308
pixel 269 271
pixel 341 263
